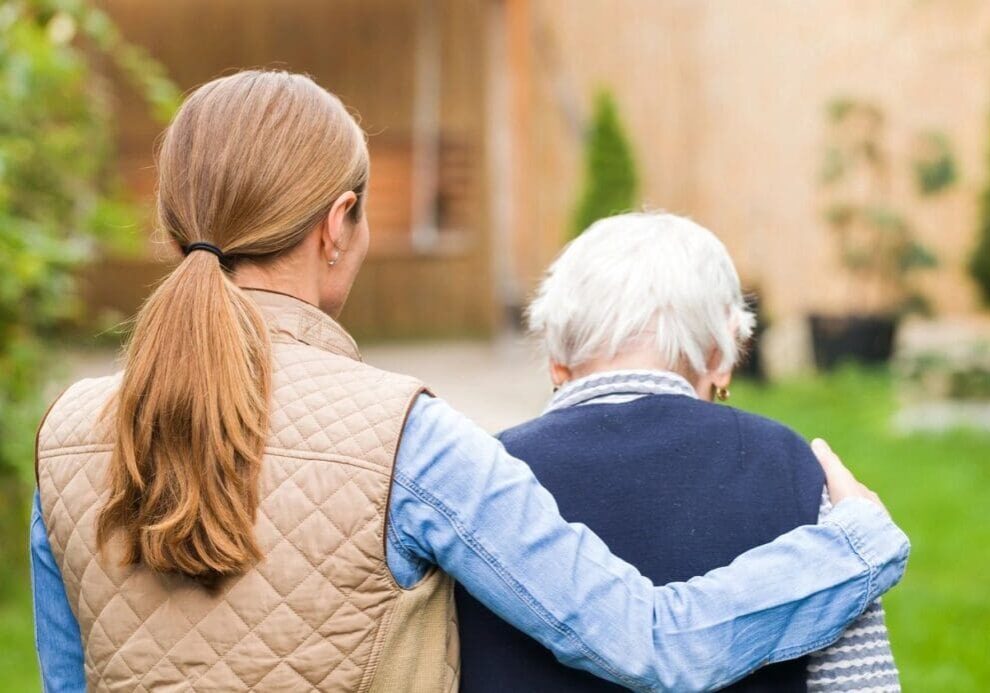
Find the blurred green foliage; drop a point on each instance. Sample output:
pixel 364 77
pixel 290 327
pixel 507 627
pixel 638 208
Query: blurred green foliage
pixel 59 202
pixel 979 263
pixel 961 372
pixel 877 244
pixel 935 486
pixel 609 170
pixel 935 167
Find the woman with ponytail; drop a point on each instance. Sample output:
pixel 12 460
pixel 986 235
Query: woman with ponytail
pixel 249 506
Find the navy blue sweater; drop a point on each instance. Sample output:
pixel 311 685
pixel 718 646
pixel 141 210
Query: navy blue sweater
pixel 674 485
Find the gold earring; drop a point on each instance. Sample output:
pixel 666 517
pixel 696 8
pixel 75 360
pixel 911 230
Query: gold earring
pixel 722 393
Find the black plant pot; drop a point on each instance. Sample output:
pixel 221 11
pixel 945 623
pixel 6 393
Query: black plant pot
pixel 867 339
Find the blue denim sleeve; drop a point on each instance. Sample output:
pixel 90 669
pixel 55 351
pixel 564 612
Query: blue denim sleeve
pixel 460 502
pixel 56 631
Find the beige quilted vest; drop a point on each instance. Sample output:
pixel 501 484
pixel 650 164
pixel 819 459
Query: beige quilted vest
pixel 321 611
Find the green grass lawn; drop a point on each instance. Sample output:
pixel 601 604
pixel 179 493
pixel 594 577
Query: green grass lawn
pixel 18 665
pixel 937 487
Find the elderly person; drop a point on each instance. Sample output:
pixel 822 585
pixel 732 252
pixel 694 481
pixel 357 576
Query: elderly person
pixel 643 320
pixel 249 506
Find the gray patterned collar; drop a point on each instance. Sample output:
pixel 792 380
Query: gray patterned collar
pixel 613 387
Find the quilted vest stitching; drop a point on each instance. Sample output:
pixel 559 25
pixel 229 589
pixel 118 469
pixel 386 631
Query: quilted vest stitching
pixel 315 613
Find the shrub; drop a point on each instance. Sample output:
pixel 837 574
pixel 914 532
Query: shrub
pixel 59 200
pixel 979 264
pixel 609 169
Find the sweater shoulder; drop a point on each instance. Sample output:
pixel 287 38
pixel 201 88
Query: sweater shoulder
pixel 773 443
pixel 777 444
pixel 758 427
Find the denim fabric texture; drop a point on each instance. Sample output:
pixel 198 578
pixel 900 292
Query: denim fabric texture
pixel 57 636
pixel 461 503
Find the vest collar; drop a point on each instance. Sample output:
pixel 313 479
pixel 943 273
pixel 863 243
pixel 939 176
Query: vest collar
pixel 619 386
pixel 303 322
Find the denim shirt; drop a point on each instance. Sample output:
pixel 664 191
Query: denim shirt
pixel 461 503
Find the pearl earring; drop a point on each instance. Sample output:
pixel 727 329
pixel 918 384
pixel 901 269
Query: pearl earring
pixel 336 257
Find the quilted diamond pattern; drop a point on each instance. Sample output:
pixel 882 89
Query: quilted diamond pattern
pixel 310 615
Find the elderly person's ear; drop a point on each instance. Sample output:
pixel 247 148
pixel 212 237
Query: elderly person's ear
pixel 560 374
pixel 715 383
pixel 720 385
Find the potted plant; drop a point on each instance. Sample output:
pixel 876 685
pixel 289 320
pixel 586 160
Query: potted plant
pixel 876 243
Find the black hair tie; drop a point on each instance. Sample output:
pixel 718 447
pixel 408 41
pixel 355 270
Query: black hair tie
pixel 208 247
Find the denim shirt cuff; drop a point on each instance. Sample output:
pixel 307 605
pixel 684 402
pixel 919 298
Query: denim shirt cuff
pixel 875 538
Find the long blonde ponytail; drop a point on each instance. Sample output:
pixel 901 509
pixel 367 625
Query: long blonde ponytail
pixel 251 163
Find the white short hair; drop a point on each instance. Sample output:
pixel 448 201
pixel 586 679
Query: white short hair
pixel 643 275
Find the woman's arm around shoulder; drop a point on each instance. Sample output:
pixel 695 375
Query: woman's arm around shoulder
pixel 461 502
pixel 861 659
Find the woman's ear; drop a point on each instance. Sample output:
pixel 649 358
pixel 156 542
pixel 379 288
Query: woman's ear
pixel 337 227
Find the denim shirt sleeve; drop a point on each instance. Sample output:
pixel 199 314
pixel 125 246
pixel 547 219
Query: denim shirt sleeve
pixel 56 631
pixel 460 502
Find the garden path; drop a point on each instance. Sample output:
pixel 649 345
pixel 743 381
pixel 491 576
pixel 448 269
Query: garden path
pixel 497 383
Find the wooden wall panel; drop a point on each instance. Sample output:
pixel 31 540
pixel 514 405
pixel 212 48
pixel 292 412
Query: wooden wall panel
pixel 725 106
pixel 363 50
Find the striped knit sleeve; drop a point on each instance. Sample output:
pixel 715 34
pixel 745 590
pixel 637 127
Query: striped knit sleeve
pixel 861 660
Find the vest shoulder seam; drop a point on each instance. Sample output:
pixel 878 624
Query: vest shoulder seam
pixel 325 457
pixel 49 453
